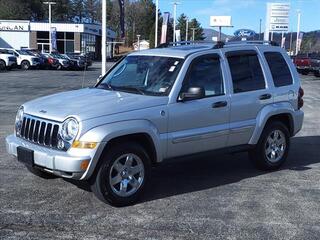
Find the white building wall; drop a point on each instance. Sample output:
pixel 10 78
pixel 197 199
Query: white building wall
pixel 14 39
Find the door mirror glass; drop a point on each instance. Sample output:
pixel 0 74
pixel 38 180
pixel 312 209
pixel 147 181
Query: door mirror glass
pixel 192 93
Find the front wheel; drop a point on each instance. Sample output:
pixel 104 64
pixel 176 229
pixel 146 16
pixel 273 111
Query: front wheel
pixel 25 65
pixel 272 148
pixel 122 174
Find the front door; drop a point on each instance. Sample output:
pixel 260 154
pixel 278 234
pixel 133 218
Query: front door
pixel 202 124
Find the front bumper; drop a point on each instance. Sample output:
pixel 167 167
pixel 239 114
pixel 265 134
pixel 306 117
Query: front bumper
pixel 63 164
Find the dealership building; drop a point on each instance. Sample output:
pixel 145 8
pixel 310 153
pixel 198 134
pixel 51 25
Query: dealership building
pixel 70 37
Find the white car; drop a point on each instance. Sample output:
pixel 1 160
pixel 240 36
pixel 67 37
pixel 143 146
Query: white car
pixel 24 59
pixel 7 60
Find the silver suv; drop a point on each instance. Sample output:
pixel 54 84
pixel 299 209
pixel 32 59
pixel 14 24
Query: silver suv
pixel 160 104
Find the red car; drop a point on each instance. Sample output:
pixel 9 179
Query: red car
pixel 303 64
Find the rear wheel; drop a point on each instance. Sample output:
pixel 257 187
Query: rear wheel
pixel 59 67
pixel 25 65
pixel 122 174
pixel 272 148
pixel 2 65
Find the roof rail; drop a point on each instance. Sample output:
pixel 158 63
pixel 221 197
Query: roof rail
pixel 169 44
pixel 218 44
pixel 262 42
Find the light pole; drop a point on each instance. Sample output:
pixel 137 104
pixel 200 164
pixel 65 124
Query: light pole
pixel 50 3
pixel 260 29
pixel 175 3
pixel 156 28
pixel 138 36
pixel 193 29
pixel 104 38
pixel 298 32
pixel 187 26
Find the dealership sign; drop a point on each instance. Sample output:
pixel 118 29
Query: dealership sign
pixel 244 33
pixel 14 26
pixel 220 21
pixel 278 17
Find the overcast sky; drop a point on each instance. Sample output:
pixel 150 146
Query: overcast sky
pixel 245 13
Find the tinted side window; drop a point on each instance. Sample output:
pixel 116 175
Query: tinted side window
pixel 279 69
pixel 246 73
pixel 206 72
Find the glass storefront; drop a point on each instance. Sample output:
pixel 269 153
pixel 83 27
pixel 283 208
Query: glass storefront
pixel 65 41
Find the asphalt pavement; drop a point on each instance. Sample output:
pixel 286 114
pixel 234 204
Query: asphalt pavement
pixel 212 197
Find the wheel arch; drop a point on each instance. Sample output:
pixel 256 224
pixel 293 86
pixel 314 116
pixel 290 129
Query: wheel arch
pixel 282 112
pixel 140 131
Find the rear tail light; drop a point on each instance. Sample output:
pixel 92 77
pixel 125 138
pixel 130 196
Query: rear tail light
pixel 300 99
pixel 50 60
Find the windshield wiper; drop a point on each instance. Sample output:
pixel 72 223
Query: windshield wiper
pixel 130 89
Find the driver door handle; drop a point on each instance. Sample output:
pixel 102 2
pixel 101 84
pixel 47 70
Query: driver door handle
pixel 219 104
pixel 265 96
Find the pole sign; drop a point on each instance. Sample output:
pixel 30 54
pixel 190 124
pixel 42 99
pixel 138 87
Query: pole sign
pixel 278 17
pixel 54 38
pixel 220 21
pixel 166 16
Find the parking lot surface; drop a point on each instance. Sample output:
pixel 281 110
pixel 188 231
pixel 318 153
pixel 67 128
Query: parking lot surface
pixel 211 197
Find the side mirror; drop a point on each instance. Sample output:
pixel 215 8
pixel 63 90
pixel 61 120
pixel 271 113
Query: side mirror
pixel 192 93
pixel 99 78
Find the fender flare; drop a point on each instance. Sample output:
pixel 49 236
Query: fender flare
pixel 105 133
pixel 266 113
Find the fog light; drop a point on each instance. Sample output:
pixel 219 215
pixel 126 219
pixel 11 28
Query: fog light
pixel 80 144
pixel 84 164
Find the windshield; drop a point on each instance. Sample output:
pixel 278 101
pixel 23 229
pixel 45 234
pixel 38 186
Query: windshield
pixel 22 52
pixel 150 75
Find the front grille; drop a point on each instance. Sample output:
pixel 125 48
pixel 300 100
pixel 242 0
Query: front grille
pixel 40 131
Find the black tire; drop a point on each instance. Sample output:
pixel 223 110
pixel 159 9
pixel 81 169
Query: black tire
pixel 305 72
pixel 317 73
pixel 59 67
pixel 40 173
pixel 100 183
pixel 25 65
pixel 258 155
pixel 2 65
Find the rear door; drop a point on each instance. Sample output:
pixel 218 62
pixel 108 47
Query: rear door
pixel 249 93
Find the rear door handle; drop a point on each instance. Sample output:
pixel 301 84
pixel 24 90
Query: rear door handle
pixel 219 104
pixel 265 96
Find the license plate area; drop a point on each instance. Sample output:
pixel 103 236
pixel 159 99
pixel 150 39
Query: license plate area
pixel 25 156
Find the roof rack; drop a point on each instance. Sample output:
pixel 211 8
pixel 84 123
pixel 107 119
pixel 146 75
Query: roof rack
pixel 218 44
pixel 262 42
pixel 181 43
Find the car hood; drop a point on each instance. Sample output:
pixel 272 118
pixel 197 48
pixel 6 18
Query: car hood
pixel 89 103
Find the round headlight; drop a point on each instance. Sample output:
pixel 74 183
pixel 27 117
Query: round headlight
pixel 19 119
pixel 69 129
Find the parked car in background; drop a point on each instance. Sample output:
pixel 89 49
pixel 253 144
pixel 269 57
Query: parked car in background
pixel 24 59
pixel 75 63
pixel 315 64
pixel 7 60
pixel 63 62
pixel 303 64
pixel 44 63
pixel 87 59
pixel 51 63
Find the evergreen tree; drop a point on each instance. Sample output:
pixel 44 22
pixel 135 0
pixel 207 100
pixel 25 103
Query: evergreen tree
pixel 198 32
pixel 78 10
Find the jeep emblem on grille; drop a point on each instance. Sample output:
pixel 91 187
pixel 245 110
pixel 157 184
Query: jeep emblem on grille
pixel 43 111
